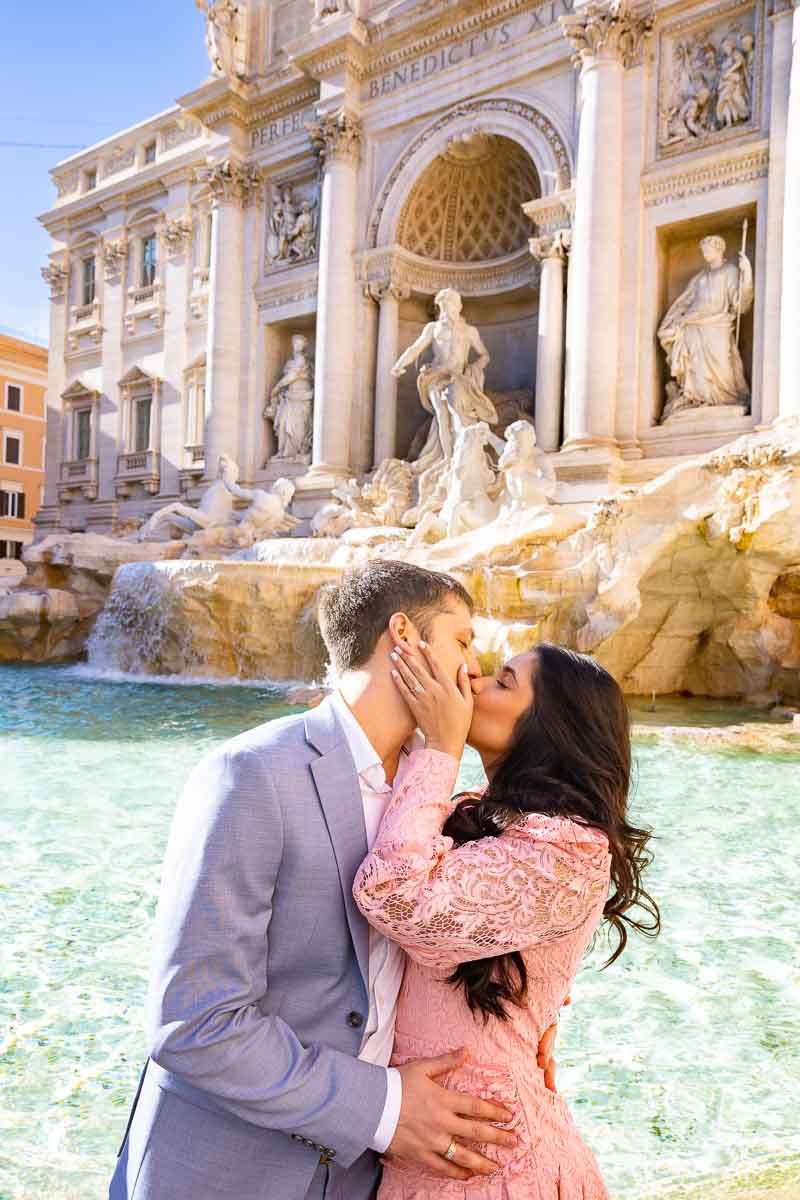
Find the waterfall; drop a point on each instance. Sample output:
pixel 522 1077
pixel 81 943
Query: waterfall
pixel 137 631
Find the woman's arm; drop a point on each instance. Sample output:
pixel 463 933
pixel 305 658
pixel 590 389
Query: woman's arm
pixel 445 905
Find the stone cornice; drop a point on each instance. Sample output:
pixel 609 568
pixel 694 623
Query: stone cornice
pixel 332 49
pixel 605 29
pixel 267 96
pixel 301 285
pixel 393 266
pixel 693 178
pixel 403 37
pixel 553 212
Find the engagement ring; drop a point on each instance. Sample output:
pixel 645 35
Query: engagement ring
pixel 450 1153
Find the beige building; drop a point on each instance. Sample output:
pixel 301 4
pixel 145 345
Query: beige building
pixel 558 163
pixel 23 386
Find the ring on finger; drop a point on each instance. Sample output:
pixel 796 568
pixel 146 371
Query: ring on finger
pixel 418 688
pixel 450 1152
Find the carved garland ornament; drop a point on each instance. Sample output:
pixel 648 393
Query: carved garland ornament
pixel 115 256
pixel 605 30
pixel 516 108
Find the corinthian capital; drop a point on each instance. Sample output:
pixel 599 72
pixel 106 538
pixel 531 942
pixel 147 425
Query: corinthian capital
pixel 605 29
pixel 551 245
pixel 231 181
pixel 336 135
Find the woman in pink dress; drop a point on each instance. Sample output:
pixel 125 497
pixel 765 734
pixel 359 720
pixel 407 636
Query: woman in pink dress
pixel 495 897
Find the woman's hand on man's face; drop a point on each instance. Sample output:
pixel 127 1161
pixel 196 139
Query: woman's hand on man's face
pixel 441 707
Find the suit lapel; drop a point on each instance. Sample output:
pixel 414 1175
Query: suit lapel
pixel 339 793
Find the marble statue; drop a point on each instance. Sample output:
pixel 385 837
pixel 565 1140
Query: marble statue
pixel 699 333
pixel 467 496
pixel 223 42
pixel 526 471
pixel 381 501
pixel 450 387
pixel 344 511
pixel 291 227
pixel 290 406
pixel 267 515
pixel 214 511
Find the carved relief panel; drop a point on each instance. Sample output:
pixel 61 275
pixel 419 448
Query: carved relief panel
pixel 709 87
pixel 292 222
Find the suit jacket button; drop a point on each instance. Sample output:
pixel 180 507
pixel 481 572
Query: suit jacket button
pixel 355 1019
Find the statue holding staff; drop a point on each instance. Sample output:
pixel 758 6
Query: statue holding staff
pixel 700 331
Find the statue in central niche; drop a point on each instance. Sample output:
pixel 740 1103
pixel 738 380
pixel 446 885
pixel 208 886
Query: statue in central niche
pixel 450 387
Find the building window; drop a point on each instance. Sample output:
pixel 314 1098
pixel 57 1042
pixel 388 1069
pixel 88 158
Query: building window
pixel 150 152
pixel 83 433
pixel 13 450
pixel 13 397
pixel 88 281
pixel 10 549
pixel 141 431
pixel 149 261
pixel 91 180
pixel 12 504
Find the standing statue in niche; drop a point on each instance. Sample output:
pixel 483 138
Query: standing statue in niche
pixel 699 333
pixel 450 389
pixel 290 406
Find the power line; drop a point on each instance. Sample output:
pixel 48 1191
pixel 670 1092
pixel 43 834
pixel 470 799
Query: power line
pixel 42 146
pixel 57 121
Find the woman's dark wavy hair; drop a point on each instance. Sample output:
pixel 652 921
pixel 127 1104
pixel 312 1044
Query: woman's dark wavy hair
pixel 570 756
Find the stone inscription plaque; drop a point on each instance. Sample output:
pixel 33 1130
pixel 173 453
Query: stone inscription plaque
pixel 497 37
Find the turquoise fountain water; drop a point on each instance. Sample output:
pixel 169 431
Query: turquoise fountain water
pixel 681 1061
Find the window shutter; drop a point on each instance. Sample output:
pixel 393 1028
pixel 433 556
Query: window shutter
pixel 21 505
pixel 3 504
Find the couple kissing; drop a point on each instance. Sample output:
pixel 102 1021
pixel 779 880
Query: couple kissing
pixel 356 973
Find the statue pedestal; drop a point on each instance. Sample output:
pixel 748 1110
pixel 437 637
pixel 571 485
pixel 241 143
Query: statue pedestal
pixel 705 419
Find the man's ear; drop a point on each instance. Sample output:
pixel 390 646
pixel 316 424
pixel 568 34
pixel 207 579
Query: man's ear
pixel 401 629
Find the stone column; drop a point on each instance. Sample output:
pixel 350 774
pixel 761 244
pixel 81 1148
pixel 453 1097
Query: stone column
pixel 56 275
pixel 551 251
pixel 789 394
pixel 336 138
pixel 605 38
pixel 389 296
pixel 233 185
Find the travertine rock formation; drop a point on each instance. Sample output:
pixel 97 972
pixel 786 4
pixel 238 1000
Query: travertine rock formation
pixel 690 583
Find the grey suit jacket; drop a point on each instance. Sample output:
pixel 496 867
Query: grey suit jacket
pixel 258 988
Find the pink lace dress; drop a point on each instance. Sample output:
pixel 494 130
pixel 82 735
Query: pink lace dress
pixel 539 888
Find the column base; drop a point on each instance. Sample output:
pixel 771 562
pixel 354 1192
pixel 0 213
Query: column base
pixel 589 468
pixel 322 477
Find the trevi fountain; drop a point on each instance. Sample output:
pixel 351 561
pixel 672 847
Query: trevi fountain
pixel 508 290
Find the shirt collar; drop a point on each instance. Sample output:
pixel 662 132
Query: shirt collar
pixel 364 753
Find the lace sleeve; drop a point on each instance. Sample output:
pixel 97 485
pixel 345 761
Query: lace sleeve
pixel 539 880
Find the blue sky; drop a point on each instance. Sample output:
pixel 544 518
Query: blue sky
pixel 74 74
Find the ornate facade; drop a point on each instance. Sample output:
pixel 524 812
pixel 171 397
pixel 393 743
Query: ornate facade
pixel 559 163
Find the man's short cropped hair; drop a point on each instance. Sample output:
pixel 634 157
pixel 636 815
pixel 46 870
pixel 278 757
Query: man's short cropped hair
pixel 355 612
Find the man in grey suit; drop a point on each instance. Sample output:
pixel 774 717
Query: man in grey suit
pixel 271 1008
